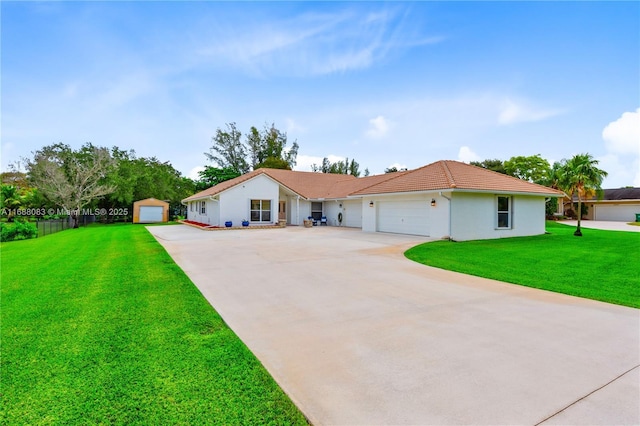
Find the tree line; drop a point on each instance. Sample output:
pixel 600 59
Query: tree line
pixel 58 178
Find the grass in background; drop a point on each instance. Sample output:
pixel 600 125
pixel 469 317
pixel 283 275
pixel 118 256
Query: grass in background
pixel 99 325
pixel 601 265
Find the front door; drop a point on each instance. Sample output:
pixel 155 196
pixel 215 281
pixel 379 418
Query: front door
pixel 282 210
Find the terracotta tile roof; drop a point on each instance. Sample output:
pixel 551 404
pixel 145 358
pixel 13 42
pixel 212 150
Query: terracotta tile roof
pixel 342 189
pixel 216 189
pixel 308 184
pixel 447 175
pixel 441 175
pixel 305 184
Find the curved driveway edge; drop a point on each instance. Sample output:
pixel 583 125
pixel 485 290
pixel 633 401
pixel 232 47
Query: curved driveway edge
pixel 356 334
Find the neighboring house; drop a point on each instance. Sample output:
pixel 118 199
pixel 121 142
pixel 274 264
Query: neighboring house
pixel 445 199
pixel 618 205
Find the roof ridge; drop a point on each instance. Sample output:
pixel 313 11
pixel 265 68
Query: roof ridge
pixel 448 174
pixel 268 169
pixel 397 175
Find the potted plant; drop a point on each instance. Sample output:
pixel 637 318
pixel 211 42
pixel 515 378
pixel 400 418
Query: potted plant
pixel 228 224
pixel 245 222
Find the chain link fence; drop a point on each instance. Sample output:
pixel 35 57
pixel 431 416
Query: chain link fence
pixel 51 226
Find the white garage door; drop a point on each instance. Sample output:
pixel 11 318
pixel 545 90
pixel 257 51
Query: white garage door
pixel 352 214
pixel 403 217
pixel 150 214
pixel 618 213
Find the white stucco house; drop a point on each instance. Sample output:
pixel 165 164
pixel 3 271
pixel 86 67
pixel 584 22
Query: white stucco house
pixel 445 199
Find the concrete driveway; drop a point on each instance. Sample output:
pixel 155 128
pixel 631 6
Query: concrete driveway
pixel 603 224
pixel 358 335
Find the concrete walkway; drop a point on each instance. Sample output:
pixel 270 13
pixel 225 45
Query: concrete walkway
pixel 358 335
pixel 601 224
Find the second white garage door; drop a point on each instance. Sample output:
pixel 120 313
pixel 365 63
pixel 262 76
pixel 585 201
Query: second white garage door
pixel 149 214
pixel 617 213
pixel 403 217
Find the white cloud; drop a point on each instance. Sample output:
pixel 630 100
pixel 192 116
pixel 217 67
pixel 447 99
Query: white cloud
pixel 622 161
pixel 315 43
pixel 378 128
pixel 621 171
pixel 512 112
pixel 398 166
pixel 293 127
pixel 466 155
pixel 623 135
pixel 193 173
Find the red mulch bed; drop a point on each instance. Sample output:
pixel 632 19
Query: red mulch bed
pixel 200 224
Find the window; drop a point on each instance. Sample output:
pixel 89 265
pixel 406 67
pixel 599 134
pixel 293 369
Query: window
pixel 203 207
pixel 260 210
pixel 504 212
pixel 316 210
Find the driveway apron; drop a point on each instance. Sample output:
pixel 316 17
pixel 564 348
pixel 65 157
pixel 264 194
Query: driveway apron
pixel 356 334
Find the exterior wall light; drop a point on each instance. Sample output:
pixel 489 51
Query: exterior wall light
pixel 433 202
pixel 370 203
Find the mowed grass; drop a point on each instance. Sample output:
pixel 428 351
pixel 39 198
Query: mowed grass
pixel 601 265
pixel 100 326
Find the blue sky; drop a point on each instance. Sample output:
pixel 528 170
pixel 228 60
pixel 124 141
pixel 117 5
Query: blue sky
pixel 394 83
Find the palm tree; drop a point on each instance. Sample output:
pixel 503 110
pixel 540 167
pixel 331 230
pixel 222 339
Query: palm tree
pixel 580 176
pixel 10 200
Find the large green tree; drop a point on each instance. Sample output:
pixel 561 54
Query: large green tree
pixel 266 148
pixel 533 168
pixel 212 176
pixel 136 178
pixel 491 164
pixel 228 150
pixel 71 179
pixel 580 176
pixel 269 149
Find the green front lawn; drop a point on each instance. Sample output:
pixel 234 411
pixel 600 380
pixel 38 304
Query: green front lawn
pixel 601 265
pixel 100 326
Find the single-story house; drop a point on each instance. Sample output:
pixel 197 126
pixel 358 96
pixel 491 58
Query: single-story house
pixel 150 210
pixel 618 205
pixel 445 199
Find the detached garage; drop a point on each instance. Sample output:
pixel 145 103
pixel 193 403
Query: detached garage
pixel 150 211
